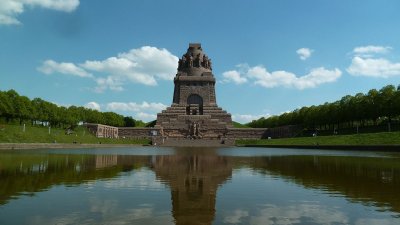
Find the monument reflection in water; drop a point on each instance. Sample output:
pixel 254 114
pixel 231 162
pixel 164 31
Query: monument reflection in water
pixel 210 186
pixel 194 180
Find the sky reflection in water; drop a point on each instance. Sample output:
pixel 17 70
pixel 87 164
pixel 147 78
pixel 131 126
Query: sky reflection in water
pixel 199 186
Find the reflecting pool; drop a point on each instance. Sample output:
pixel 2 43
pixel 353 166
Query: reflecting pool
pixel 146 185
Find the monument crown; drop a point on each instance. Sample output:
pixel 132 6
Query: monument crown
pixel 194 62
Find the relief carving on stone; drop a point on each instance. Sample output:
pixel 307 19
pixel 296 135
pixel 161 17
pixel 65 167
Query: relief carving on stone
pixel 188 61
pixel 194 130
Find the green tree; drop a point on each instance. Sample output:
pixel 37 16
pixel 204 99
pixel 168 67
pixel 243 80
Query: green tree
pixel 24 110
pixel 129 121
pixel 387 106
pixel 372 105
pixel 6 106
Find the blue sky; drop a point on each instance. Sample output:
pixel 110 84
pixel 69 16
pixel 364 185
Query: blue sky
pixel 268 56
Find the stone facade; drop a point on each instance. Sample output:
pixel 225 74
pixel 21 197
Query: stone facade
pixel 230 134
pixel 137 132
pixel 102 131
pixel 247 133
pixel 194 113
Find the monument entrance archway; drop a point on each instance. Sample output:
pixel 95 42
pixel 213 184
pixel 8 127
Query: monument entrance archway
pixel 194 105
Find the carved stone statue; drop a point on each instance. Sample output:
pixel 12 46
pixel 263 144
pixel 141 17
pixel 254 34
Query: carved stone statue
pixel 183 61
pixel 198 61
pixel 205 61
pixel 190 61
pixel 180 64
pixel 195 131
pixel 191 130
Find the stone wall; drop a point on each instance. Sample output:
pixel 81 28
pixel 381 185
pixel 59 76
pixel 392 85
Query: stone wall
pixel 138 132
pixel 263 133
pixel 247 133
pixel 284 131
pixel 102 131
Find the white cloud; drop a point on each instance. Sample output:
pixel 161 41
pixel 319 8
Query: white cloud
pixel 93 105
pixel 143 111
pixel 233 76
pixel 317 76
pixel 135 107
pixel 146 116
pixel 236 216
pixel 299 214
pixel 304 53
pixel 111 83
pixel 120 69
pixel 375 221
pixel 141 179
pixel 373 67
pixel 371 49
pixel 365 63
pixel 50 67
pixel 145 65
pixel 10 9
pixel 245 118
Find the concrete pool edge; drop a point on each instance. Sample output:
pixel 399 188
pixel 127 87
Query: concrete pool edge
pixel 393 148
pixel 11 146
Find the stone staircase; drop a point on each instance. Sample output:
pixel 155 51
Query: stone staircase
pixel 175 123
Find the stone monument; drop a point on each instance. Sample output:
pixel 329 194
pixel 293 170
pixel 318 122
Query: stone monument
pixel 194 113
pixel 194 118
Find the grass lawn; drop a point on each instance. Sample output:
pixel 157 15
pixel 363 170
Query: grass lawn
pixel 15 134
pixel 384 138
pixel 239 125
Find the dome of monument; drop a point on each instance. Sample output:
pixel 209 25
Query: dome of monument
pixel 194 62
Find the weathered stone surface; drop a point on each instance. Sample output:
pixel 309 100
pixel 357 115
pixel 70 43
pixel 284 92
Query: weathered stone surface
pixel 137 132
pixel 194 113
pixel 247 133
pixel 102 131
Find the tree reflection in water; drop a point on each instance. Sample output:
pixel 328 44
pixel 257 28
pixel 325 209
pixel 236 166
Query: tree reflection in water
pixel 194 176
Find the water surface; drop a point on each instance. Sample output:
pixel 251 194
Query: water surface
pixel 146 185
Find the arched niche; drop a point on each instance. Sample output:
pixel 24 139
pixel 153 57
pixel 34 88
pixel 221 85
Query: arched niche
pixel 194 105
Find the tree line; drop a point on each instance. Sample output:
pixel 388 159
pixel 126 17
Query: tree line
pixel 373 108
pixel 16 108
